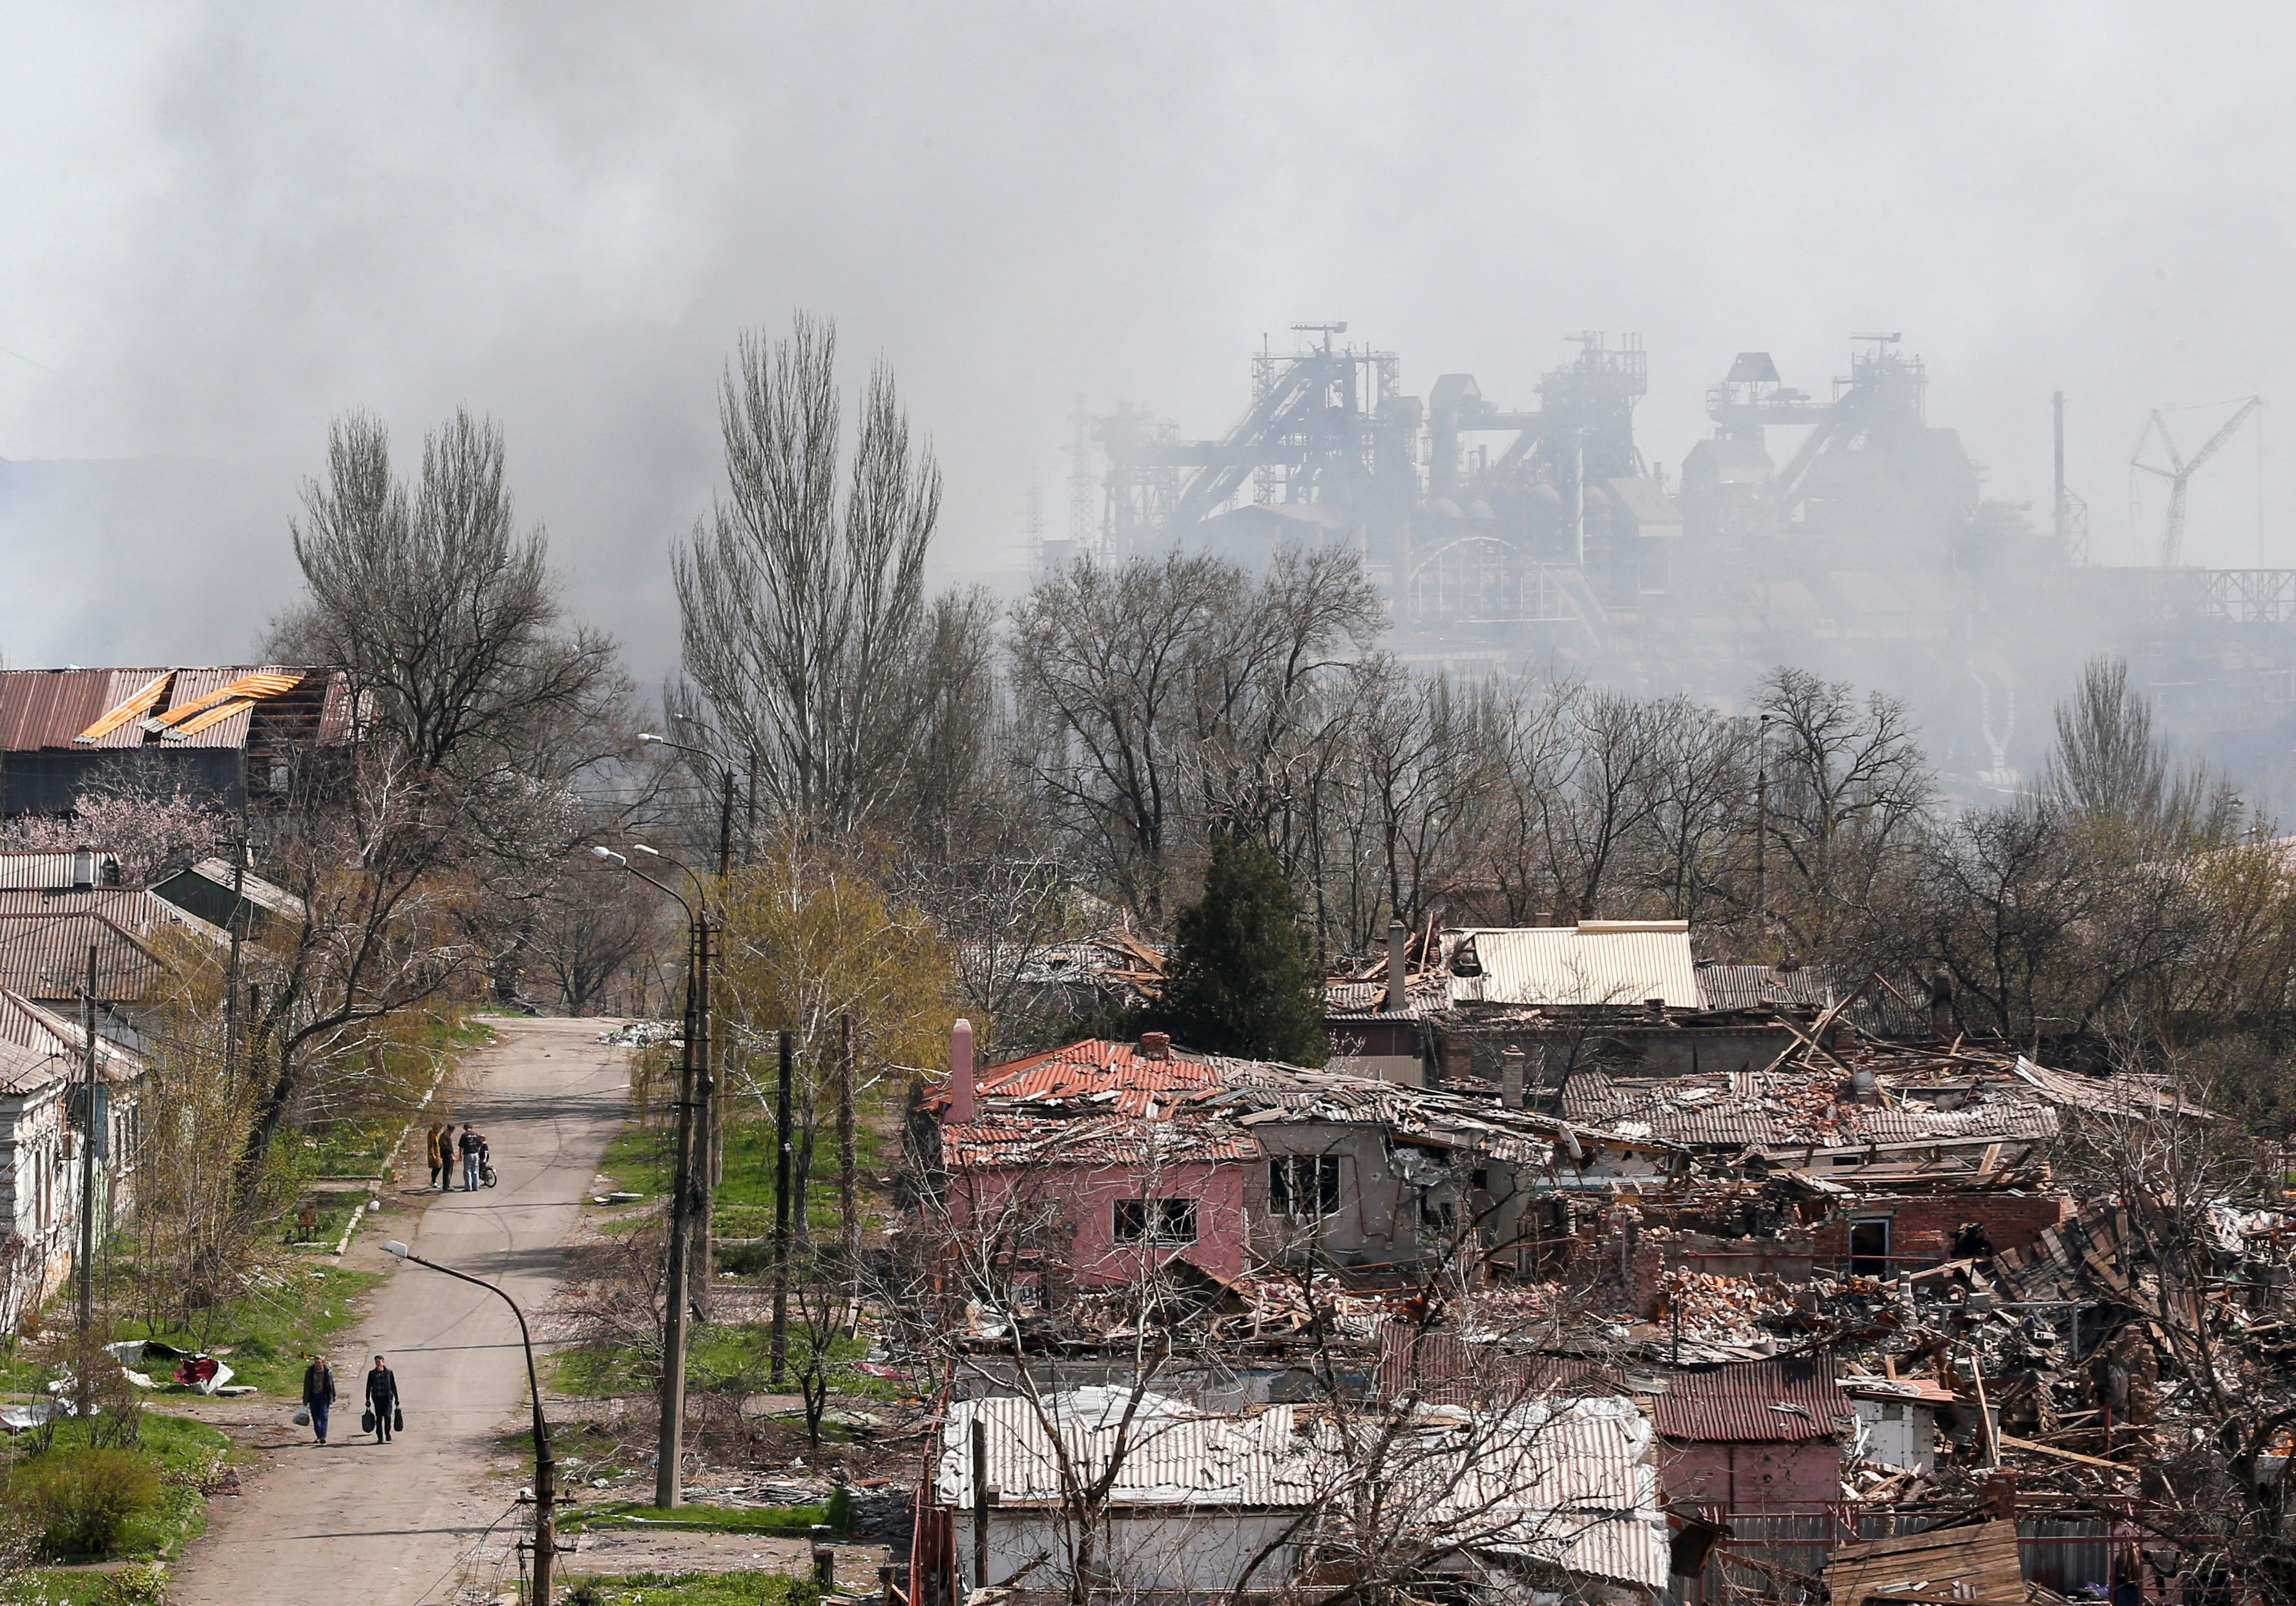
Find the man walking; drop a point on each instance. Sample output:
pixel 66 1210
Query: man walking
pixel 318 1394
pixel 474 1148
pixel 382 1398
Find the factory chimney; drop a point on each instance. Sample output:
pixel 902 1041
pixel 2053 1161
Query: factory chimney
pixel 960 1105
pixel 1399 964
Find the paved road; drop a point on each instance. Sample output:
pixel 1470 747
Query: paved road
pixel 389 1524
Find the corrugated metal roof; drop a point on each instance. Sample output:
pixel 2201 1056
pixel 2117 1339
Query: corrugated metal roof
pixel 1595 962
pixel 39 1045
pixel 1167 1455
pixel 46 957
pixel 1422 995
pixel 996 1140
pixel 1572 1482
pixel 1782 1401
pixel 45 871
pixel 54 709
pixel 1797 1108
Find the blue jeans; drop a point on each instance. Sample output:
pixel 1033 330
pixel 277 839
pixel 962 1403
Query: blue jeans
pixel 318 1418
pixel 471 1169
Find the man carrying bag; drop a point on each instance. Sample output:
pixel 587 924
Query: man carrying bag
pixel 383 1417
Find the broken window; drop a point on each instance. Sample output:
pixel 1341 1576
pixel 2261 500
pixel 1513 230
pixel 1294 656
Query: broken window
pixel 1303 1186
pixel 1869 1248
pixel 1155 1221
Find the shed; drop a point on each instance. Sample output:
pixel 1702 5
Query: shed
pixel 1762 1433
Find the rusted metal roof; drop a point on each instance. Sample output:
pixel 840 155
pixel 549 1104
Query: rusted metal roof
pixel 1620 962
pixel 127 709
pixel 1782 1401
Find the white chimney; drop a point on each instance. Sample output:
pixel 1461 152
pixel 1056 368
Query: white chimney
pixel 1398 963
pixel 960 1107
pixel 83 869
pixel 1510 1078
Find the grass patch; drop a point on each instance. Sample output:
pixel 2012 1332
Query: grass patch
pixel 717 1353
pixel 642 1160
pixel 187 1455
pixel 690 1589
pixel 781 1521
pixel 268 1330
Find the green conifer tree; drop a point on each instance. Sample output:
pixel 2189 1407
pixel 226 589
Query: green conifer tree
pixel 1243 979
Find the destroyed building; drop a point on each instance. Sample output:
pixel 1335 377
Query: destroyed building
pixel 1870 1298
pixel 234 737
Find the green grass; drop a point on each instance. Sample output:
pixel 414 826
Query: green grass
pixel 267 1330
pixel 690 1589
pixel 786 1521
pixel 188 1454
pixel 642 1160
pixel 717 1353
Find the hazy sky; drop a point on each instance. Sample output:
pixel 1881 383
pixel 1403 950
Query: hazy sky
pixel 219 226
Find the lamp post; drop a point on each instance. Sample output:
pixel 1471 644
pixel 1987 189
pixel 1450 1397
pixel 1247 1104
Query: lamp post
pixel 693 1089
pixel 546 1467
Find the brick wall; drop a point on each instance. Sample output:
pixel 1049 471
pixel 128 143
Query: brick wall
pixel 1922 1230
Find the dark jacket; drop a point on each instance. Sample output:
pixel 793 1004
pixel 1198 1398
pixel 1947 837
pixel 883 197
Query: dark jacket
pixel 472 1142
pixel 381 1389
pixel 318 1383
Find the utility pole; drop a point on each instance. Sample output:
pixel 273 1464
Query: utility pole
pixel 705 1117
pixel 782 1209
pixel 91 1129
pixel 847 1202
pixel 670 1445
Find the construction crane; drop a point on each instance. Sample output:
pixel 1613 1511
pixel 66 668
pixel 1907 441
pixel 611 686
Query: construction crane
pixel 2180 470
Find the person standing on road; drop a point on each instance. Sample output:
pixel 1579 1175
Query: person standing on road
pixel 442 1177
pixel 318 1394
pixel 473 1148
pixel 382 1398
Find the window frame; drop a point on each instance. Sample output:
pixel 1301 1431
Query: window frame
pixel 1156 1223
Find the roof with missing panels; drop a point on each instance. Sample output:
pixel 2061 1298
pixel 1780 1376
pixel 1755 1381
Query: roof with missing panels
pixel 95 710
pixel 39 1047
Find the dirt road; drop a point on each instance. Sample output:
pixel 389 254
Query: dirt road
pixel 420 1522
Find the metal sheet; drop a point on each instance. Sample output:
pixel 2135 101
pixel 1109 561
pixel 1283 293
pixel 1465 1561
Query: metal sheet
pixel 1594 963
pixel 1785 1401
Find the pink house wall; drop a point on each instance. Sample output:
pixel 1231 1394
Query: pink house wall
pixel 1085 1197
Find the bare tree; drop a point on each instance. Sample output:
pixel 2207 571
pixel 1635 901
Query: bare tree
pixel 445 617
pixel 804 622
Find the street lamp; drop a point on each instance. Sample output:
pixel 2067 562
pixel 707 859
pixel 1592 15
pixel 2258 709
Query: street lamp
pixel 695 1087
pixel 545 1468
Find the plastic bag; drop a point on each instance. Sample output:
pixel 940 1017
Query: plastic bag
pixel 397 1420
pixel 302 1416
pixel 366 1422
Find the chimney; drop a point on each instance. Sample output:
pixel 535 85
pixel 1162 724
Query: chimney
pixel 961 1106
pixel 83 869
pixel 1655 1008
pixel 1399 964
pixel 1544 917
pixel 1510 1078
pixel 1155 1046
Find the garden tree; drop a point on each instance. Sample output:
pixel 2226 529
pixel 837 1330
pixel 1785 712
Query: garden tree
pixel 1241 979
pixel 1425 755
pixel 809 938
pixel 148 821
pixel 809 649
